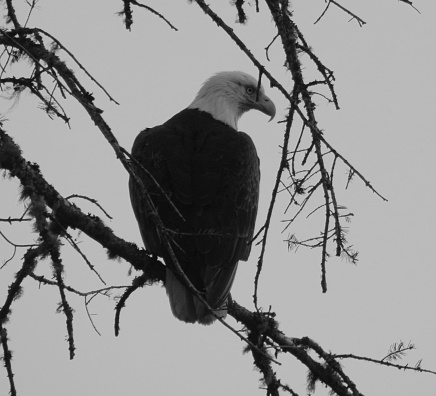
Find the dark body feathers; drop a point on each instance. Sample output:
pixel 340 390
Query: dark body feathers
pixel 210 172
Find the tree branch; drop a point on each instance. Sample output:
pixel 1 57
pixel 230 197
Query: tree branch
pixel 70 215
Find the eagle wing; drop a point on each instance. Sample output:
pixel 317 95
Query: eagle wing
pixel 210 173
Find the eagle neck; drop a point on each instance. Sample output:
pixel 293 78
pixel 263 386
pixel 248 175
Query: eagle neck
pixel 220 107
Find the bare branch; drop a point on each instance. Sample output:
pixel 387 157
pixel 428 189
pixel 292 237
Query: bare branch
pixel 359 20
pixel 138 282
pixel 59 44
pixel 64 305
pixel 269 46
pixel 76 247
pixel 11 16
pixel 411 4
pixel 127 12
pixel 92 200
pixel 71 216
pixel 14 290
pixel 10 220
pixel 266 225
pixel 416 368
pixel 242 17
pixel 329 372
pixel 7 358
pixel 32 6
pixel 102 291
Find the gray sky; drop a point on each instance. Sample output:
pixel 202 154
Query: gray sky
pixel 385 81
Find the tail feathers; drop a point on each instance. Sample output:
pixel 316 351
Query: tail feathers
pixel 187 307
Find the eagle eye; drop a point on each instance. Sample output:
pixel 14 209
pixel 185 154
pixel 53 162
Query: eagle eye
pixel 250 90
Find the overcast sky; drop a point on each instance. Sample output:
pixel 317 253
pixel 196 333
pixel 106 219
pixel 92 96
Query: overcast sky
pixel 385 81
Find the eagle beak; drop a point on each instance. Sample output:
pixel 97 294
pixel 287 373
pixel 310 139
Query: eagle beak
pixel 266 106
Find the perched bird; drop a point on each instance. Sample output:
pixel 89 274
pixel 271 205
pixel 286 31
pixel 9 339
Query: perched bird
pixel 202 176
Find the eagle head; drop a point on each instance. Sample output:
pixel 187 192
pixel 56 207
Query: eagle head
pixel 229 94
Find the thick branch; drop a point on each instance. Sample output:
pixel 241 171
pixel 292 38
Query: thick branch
pixel 326 372
pixel 70 215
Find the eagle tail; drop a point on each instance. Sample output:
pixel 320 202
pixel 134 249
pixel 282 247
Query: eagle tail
pixel 187 307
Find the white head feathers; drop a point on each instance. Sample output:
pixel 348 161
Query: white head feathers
pixel 228 95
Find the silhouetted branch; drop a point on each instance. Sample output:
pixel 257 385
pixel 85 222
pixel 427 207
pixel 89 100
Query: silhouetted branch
pixel 411 4
pixel 417 367
pixel 265 227
pixel 49 104
pixel 7 358
pixel 138 282
pixel 269 46
pixel 64 305
pixel 93 293
pixel 11 15
pixel 328 371
pixel 359 20
pixel 10 220
pixel 92 200
pixel 128 14
pixel 15 290
pixel 70 215
pixel 15 246
pixel 242 17
pixel 59 45
pixel 103 290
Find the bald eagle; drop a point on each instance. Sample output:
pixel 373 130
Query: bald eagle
pixel 201 165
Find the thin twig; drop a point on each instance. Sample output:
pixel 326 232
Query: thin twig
pixel 384 363
pixel 11 220
pixel 77 62
pixel 153 12
pixel 269 46
pixel 94 201
pixel 411 4
pixel 266 225
pixel 89 314
pixel 359 20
